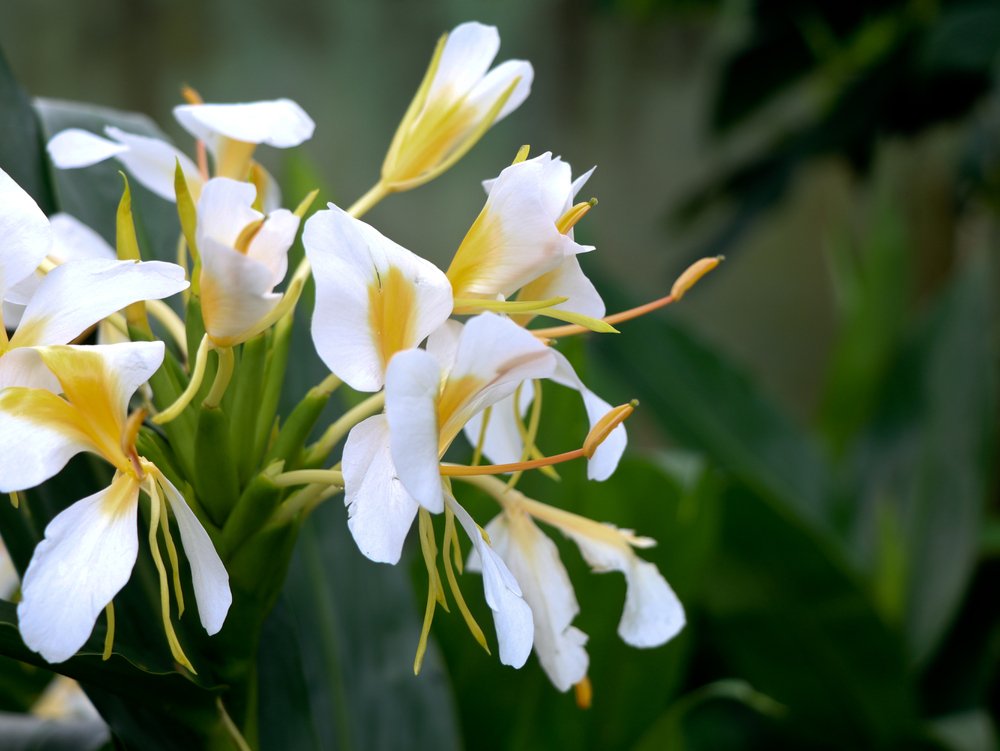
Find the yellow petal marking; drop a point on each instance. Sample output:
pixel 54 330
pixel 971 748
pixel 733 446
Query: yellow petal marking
pixel 392 303
pixel 481 251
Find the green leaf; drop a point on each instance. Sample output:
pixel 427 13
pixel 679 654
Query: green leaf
pixel 22 153
pixel 356 626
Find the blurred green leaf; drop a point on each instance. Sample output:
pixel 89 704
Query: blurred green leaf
pixel 356 627
pixel 966 37
pixel 21 148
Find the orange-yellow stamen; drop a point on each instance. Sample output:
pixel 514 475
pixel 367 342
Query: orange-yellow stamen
pixel 611 420
pixel 573 215
pixel 463 470
pixel 584 693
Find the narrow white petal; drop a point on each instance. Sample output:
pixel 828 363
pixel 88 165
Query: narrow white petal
pixel 73 240
pixel 411 390
pixel 76 295
pixel 465 59
pixel 534 561
pixel 280 122
pixel 153 163
pixel 380 511
pixel 271 243
pixel 235 290
pixel 605 459
pixel 502 442
pixel 486 92
pixel 225 208
pixel 86 558
pixel 373 297
pixel 24 233
pixel 653 615
pixel 208 574
pixel 75 148
pixel 511 614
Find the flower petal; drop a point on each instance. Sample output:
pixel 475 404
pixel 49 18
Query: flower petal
pixel 271 243
pixel 208 574
pixel 411 389
pixel 380 511
pixel 224 209
pixel 567 280
pixel 486 92
pixel 76 295
pixel 605 459
pixel 466 57
pixel 511 614
pixel 73 148
pixel 235 290
pixel 281 122
pixel 86 558
pixel 24 232
pixel 534 561
pixel 502 442
pixel 73 240
pixel 154 163
pixel 374 298
pixel 24 367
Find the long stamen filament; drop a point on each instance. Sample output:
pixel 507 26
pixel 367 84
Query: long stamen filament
pixel 223 376
pixel 451 546
pixel 309 477
pixel 197 376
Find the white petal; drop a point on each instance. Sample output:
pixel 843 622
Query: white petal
pixel 208 574
pixel 443 344
pixel 74 148
pixel 123 368
pixel 73 240
pixel 534 561
pixel 281 122
pixel 373 297
pixel 37 437
pixel 567 280
pixel 605 459
pixel 653 615
pixel 502 442
pixel 511 614
pixel 411 389
pixel 380 511
pixel 76 295
pixel 86 558
pixel 465 59
pixel 235 290
pixel 271 243
pixel 154 162
pixel 24 367
pixel 499 355
pixel 225 208
pixel 485 93
pixel 270 191
pixel 25 235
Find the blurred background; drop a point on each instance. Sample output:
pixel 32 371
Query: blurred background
pixel 815 449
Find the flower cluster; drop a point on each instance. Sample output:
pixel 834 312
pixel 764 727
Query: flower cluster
pixel 441 354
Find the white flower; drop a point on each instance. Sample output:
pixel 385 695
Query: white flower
pixel 460 98
pixel 374 298
pixel 244 255
pixel 71 298
pixel 90 548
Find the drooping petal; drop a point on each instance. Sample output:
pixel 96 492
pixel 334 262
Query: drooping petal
pixel 86 558
pixel 653 615
pixel 76 295
pixel 225 208
pixel 374 298
pixel 281 122
pixel 511 614
pixel 411 390
pixel 25 235
pixel 466 57
pixel 494 355
pixel 502 443
pixel 515 239
pixel 486 92
pixel 567 280
pixel 38 435
pixel 208 574
pixel 235 290
pixel 534 561
pixel 74 148
pixel 380 511
pixel 74 241
pixel 605 459
pixel 154 163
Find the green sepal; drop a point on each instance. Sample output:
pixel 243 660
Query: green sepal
pixel 246 396
pixel 297 428
pixel 256 504
pixel 194 324
pixel 274 378
pixel 215 479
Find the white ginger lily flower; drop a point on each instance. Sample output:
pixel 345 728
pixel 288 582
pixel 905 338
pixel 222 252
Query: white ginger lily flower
pixel 459 100
pixel 523 240
pixel 71 298
pixel 652 615
pixel 244 255
pixel 392 461
pixel 501 440
pixel 374 298
pixel 90 548
pixel 231 133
